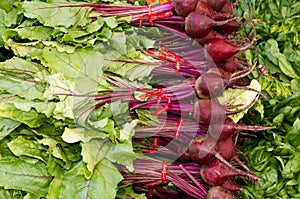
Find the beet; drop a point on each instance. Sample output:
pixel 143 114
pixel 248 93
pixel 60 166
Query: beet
pixel 217 5
pixel 212 35
pixel 226 148
pixel 230 27
pixel 217 192
pixel 184 154
pixel 198 25
pixel 222 130
pixel 230 65
pixel 184 7
pixel 216 173
pixel 209 85
pixel 231 186
pixel 202 149
pixel 220 50
pixel 227 8
pixel 208 111
pixel 233 25
pixel 204 9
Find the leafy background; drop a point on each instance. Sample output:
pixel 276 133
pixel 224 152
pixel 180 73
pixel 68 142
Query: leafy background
pixel 45 153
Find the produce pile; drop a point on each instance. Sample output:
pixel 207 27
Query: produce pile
pixel 123 99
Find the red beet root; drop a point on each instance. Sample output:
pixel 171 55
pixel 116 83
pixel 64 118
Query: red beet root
pixel 202 149
pixel 216 173
pixel 212 35
pixel 233 25
pixel 226 148
pixel 230 27
pixel 221 131
pixel 184 7
pixel 220 50
pixel 204 9
pixel 217 192
pixel 198 25
pixel 230 65
pixel 227 8
pixel 209 85
pixel 231 186
pixel 208 111
pixel 217 5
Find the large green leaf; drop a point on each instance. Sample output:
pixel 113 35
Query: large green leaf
pixel 101 184
pixel 20 175
pixel 30 148
pixel 7 126
pixel 57 14
pixel 30 118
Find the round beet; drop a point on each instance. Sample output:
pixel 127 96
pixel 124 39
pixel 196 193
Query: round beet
pixel 217 5
pixel 202 149
pixel 226 148
pixel 183 152
pixel 199 25
pixel 230 65
pixel 209 85
pixel 204 9
pixel 220 50
pixel 222 130
pixel 227 8
pixel 216 173
pixel 230 27
pixel 212 35
pixel 231 186
pixel 209 111
pixel 217 192
pixel 184 7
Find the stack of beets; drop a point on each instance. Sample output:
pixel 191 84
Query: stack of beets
pixel 205 146
pixel 193 143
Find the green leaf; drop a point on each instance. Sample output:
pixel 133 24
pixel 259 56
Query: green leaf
pixel 2 25
pixel 296 163
pixel 260 158
pixel 123 192
pixel 54 188
pixel 287 170
pixel 34 33
pixel 273 8
pixel 21 77
pixel 30 148
pixel 30 118
pixel 94 151
pixel 20 175
pixel 102 184
pixel 81 134
pixel 118 42
pixel 286 67
pixel 57 14
pixel 122 153
pixel 84 65
pixel 128 131
pixel 111 22
pixel 238 97
pixel 56 150
pixel 293 136
pixel 7 126
pixel 95 26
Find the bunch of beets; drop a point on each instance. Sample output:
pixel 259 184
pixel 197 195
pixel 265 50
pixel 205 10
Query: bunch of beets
pixel 191 147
